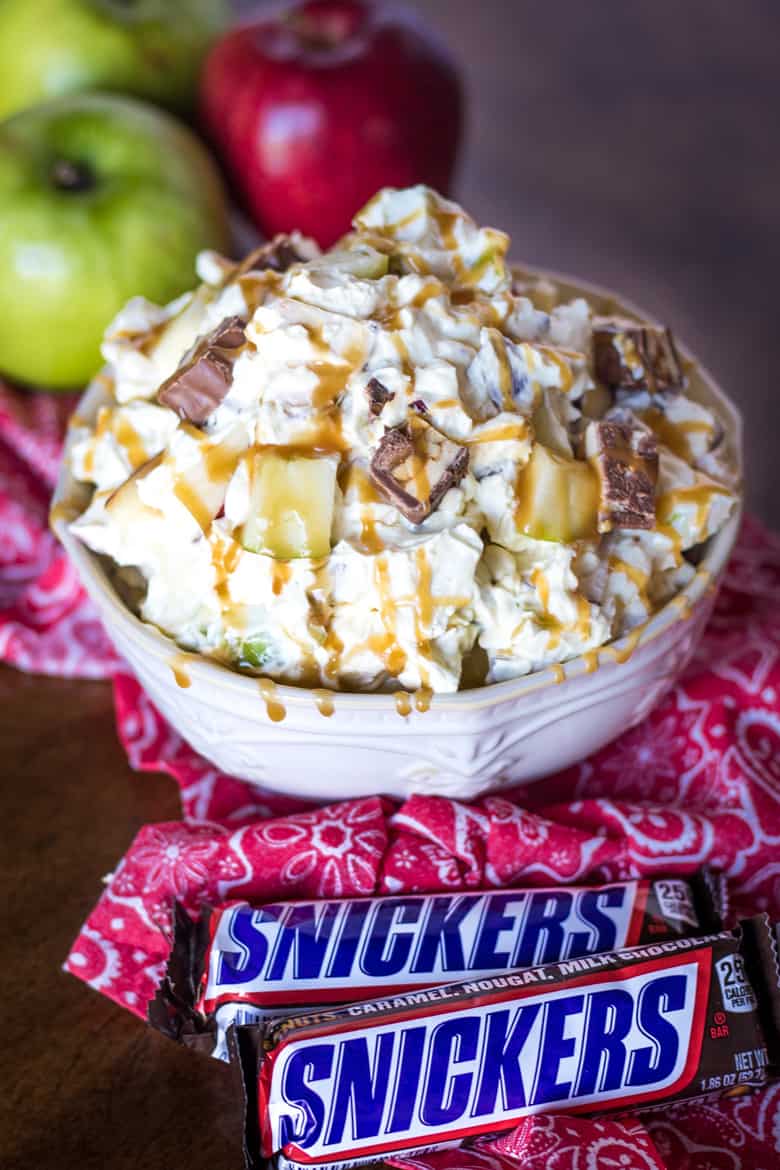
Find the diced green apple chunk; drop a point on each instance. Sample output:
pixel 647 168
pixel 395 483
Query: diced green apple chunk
pixel 558 497
pixel 363 262
pixel 549 428
pixel 291 504
pixel 254 652
pixel 179 334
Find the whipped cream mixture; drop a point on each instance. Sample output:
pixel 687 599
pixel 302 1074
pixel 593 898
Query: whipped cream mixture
pixel 389 466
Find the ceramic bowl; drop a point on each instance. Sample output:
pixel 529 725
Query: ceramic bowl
pixel 465 743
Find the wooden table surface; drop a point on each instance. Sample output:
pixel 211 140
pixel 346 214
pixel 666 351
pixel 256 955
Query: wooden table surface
pixel 614 143
pixel 86 1086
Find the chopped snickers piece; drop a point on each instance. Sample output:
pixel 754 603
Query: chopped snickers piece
pixel 415 466
pixel 378 395
pixel 203 379
pixel 279 254
pixel 625 456
pixel 631 356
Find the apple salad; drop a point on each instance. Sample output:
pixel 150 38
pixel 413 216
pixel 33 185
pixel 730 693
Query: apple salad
pixel 395 464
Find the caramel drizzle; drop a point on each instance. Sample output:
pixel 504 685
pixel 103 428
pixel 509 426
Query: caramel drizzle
pixel 403 354
pixel 547 619
pixel 637 576
pixel 403 703
pixel 423 613
pixel 422 699
pixel 332 377
pixel 108 420
pixel 281 572
pixel 591 660
pixel 387 648
pixel 186 494
pixel 698 494
pixel 583 616
pixel 359 482
pixel 446 222
pixel 558 673
pixel 219 464
pixel 682 603
pixel 225 555
pixel 622 654
pixel 332 644
pixel 66 510
pixel 323 701
pixel 560 359
pixel 508 432
pixel 675 435
pixel 497 344
pixel 274 709
pixel 180 675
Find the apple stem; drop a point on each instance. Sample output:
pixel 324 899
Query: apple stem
pixel 325 24
pixel 70 176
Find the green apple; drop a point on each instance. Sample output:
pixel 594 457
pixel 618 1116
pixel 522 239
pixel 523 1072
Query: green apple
pixel 150 48
pixel 101 198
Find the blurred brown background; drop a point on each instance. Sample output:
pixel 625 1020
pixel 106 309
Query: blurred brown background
pixel 637 144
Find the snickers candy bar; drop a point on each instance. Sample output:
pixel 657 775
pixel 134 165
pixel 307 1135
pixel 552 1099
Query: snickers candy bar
pixel 203 379
pixel 278 254
pixel 378 396
pixel 630 356
pixel 240 963
pixel 625 456
pixel 415 466
pixel 629 1029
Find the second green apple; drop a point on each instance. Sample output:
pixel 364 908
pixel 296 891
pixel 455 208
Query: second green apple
pixel 101 198
pixel 151 49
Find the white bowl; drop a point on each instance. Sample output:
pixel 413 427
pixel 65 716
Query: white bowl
pixel 464 744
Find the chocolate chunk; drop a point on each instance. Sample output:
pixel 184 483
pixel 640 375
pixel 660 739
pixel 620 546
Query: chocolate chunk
pixel 630 356
pixel 625 455
pixel 197 387
pixel 279 254
pixel 415 466
pixel 378 395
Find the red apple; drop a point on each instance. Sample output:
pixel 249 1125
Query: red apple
pixel 317 108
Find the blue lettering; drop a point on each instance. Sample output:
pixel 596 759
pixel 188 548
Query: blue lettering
pixel 501 1060
pixel 304 1125
pixel 247 961
pixel 349 940
pixel 379 959
pixel 656 1061
pixel 361 1087
pixel 442 934
pixel 446 1095
pixel 555 1048
pixel 494 922
pixel 410 1062
pixel 607 1023
pixel 589 908
pixel 305 934
pixel 547 912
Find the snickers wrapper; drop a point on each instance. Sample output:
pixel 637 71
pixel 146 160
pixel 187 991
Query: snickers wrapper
pixel 239 964
pixel 630 1029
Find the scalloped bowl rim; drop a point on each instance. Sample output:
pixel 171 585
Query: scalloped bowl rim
pixel 152 641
